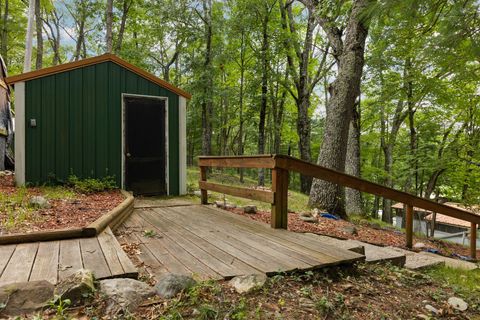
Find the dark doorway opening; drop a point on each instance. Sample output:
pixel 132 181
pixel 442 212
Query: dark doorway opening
pixel 145 149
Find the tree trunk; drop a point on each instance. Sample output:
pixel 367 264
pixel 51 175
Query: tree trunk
pixel 344 91
pixel 126 8
pixel 27 63
pixel 109 26
pixel 353 198
pixel 4 36
pixel 39 29
pixel 263 102
pixel 207 103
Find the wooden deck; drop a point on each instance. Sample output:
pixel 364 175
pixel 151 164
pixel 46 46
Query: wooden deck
pixel 55 260
pixel 210 243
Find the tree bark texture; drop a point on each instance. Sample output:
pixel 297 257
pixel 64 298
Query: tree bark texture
pixel 109 26
pixel 27 62
pixel 4 36
pixel 353 198
pixel 263 101
pixel 207 103
pixel 344 90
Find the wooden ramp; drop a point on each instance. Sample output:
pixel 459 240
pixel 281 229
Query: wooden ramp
pixel 210 243
pixel 55 260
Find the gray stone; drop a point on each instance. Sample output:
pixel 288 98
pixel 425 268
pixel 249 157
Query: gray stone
pixel 432 309
pixel 39 202
pixel 219 204
pixel 123 295
pixel 250 209
pixel 316 212
pixel 230 206
pixel 308 219
pixel 350 230
pixel 171 284
pixel 76 287
pixel 197 193
pixel 248 283
pixel 457 303
pixel 25 297
pixel 419 245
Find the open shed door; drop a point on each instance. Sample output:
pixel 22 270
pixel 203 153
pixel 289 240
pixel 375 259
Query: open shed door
pixel 145 145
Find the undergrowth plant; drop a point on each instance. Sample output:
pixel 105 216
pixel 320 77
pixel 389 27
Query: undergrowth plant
pixel 91 185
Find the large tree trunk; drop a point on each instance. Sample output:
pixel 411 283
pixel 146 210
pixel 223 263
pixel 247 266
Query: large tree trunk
pixel 27 63
pixel 344 90
pixel 39 29
pixel 207 103
pixel 109 26
pixel 353 198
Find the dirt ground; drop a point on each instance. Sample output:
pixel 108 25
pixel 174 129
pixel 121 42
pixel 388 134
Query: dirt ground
pixel 76 210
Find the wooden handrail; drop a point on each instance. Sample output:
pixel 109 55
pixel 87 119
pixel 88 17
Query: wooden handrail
pixel 281 165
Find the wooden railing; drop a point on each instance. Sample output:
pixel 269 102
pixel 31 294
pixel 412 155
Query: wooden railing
pixel 278 196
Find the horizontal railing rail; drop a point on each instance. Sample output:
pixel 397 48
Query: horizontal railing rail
pixel 278 197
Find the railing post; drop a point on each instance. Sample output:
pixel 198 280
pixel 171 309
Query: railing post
pixel 279 218
pixel 473 240
pixel 409 226
pixel 203 177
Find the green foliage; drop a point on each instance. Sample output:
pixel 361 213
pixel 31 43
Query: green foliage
pixel 60 306
pixel 91 185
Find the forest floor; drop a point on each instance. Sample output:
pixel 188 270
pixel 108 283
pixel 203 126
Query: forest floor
pixel 364 291
pixel 65 208
pixel 368 230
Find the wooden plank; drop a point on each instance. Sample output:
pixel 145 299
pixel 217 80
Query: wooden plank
pixel 282 236
pixel 266 161
pixel 45 266
pixel 409 226
pixel 20 265
pixel 260 195
pixel 473 241
pixel 183 256
pixel 309 169
pixel 156 247
pixel 42 236
pixel 107 238
pixel 279 212
pixel 109 250
pixel 70 258
pixel 201 253
pixel 93 258
pixel 203 179
pixel 293 250
pixel 299 260
pixel 151 264
pixel 274 259
pixel 252 257
pixel 6 252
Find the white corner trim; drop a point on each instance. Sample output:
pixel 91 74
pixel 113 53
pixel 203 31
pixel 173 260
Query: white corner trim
pixel 20 133
pixel 182 138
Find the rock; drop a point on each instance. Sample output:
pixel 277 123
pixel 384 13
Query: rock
pixel 76 287
pixel 350 230
pixel 308 219
pixel 197 193
pixel 124 295
pixel 219 204
pixel 25 297
pixel 230 206
pixel 419 245
pixel 39 202
pixel 248 283
pixel 316 212
pixel 250 209
pixel 457 303
pixel 432 309
pixel 171 284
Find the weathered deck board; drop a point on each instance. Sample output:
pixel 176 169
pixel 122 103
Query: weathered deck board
pixel 224 243
pixel 55 260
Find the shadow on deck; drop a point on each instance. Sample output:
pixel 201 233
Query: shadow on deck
pixel 210 243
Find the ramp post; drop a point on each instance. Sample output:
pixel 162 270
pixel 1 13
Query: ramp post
pixel 203 177
pixel 279 219
pixel 409 226
pixel 473 240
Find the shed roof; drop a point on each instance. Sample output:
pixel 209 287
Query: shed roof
pixel 95 60
pixel 443 219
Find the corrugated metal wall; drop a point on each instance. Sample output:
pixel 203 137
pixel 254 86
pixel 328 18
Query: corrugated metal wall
pixel 78 115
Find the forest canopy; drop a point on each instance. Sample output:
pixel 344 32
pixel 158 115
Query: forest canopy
pixel 386 90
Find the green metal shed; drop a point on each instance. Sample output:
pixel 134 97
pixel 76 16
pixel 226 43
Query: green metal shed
pixel 100 117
